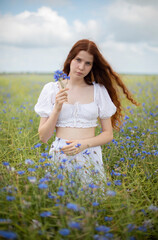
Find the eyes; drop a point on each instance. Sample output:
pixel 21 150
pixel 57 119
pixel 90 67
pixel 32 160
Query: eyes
pixel 87 63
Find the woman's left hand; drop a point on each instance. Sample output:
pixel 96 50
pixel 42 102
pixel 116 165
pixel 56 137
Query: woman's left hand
pixel 73 147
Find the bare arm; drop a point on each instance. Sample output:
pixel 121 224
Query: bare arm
pixel 47 125
pixel 101 139
pixel 104 137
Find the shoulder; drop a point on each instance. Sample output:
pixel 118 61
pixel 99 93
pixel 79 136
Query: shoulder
pixel 100 89
pixel 50 87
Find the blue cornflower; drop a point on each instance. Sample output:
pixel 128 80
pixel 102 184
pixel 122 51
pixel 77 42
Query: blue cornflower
pixel 60 176
pixel 32 179
pixel 108 183
pixel 74 225
pixel 3 220
pixel 142 229
pixel 45 214
pixel 6 163
pixel 29 161
pixel 110 193
pixel 86 152
pixel 10 198
pixel 64 231
pixel 8 234
pixel 102 228
pixel 94 204
pixel 42 186
pixel 92 185
pixel 117 182
pixel 20 172
pixel 37 145
pixel 61 193
pixel 51 196
pixel 72 206
pixel 78 145
pixel 130 227
pixel 108 218
pixel 44 154
pixel 64 160
pixel 31 169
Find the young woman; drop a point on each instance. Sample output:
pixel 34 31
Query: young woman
pixel 91 94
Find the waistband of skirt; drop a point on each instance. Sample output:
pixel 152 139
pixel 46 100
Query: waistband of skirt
pixel 62 139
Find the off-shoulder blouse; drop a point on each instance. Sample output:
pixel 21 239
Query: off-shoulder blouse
pixel 76 115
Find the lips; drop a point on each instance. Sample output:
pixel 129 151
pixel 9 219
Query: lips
pixel 79 73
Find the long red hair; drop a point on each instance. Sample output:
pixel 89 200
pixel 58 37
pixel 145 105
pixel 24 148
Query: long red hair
pixel 102 73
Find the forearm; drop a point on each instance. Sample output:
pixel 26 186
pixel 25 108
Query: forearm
pixel 47 129
pixel 98 140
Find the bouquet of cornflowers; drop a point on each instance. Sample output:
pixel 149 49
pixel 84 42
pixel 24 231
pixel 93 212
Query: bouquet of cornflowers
pixel 59 76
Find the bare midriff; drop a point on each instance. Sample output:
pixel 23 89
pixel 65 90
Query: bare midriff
pixel 71 133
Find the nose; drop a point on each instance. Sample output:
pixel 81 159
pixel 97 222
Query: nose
pixel 81 66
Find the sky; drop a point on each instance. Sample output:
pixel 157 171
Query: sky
pixel 37 35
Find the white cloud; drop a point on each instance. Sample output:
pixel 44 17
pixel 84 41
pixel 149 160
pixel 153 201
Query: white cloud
pixel 44 28
pixel 131 22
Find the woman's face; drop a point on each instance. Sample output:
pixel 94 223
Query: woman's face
pixel 81 65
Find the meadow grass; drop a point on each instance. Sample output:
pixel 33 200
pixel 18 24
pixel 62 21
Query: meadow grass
pixel 40 202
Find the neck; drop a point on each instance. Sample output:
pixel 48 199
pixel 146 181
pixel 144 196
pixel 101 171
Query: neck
pixel 76 81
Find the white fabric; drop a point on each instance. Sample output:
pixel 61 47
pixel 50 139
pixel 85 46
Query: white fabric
pixel 76 115
pixel 87 165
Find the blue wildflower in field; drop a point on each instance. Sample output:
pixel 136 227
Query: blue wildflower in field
pixel 51 196
pixel 64 231
pixel 117 182
pixel 45 214
pixel 29 161
pixel 108 183
pixel 37 145
pixel 44 154
pixel 32 179
pixel 153 208
pixel 102 228
pixel 3 220
pixel 8 234
pixel 31 169
pixel 10 198
pixel 61 193
pixel 142 228
pixel 108 218
pixel 74 225
pixel 6 163
pixel 60 176
pixel 131 227
pixel 64 160
pixel 20 172
pixel 72 206
pixel 42 186
pixel 110 193
pixel 92 185
pixel 94 204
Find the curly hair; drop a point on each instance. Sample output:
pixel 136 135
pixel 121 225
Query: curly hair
pixel 101 73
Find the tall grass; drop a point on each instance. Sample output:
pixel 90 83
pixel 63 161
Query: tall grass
pixel 40 202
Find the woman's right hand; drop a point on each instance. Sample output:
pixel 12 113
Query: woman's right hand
pixel 60 98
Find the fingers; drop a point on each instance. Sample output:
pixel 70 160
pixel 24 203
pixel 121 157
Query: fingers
pixel 71 149
pixel 62 96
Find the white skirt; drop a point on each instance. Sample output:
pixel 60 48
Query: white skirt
pixel 87 165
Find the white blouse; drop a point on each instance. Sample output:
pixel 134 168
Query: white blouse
pixel 76 115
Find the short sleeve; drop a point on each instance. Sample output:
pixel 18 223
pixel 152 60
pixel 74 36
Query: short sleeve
pixel 46 100
pixel 105 104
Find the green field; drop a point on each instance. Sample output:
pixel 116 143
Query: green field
pixel 38 203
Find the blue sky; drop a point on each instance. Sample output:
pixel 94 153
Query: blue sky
pixel 36 35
